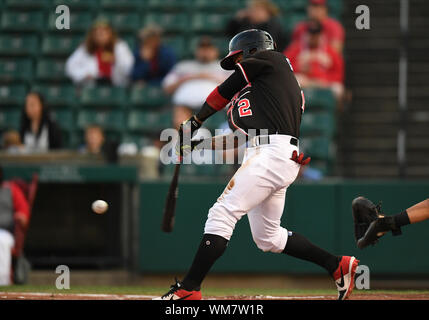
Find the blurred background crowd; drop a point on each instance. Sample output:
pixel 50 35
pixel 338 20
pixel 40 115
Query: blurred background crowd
pixel 127 69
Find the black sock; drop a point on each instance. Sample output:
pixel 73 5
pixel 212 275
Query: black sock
pixel 401 219
pixel 211 248
pixel 300 247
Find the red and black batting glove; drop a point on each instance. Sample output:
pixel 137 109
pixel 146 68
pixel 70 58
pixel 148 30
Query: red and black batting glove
pixel 300 159
pixel 187 130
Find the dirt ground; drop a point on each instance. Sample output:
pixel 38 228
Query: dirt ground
pixel 56 296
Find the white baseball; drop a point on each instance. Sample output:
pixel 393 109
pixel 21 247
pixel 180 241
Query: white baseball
pixel 100 206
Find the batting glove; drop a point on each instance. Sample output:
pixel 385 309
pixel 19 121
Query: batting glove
pixel 300 159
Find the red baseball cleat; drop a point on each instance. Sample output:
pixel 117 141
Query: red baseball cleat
pixel 176 293
pixel 344 276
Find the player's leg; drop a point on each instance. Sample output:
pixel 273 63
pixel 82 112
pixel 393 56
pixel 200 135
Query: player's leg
pixel 6 244
pixel 268 235
pixel 246 189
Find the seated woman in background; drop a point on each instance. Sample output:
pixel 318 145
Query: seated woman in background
pixel 38 132
pixel 152 59
pixel 101 58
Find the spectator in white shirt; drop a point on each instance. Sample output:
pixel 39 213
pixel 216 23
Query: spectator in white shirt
pixel 102 58
pixel 191 81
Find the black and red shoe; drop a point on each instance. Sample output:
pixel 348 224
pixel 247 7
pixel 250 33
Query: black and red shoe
pixel 178 293
pixel 344 276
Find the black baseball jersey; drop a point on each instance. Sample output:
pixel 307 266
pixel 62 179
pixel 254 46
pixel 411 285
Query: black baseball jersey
pixel 272 98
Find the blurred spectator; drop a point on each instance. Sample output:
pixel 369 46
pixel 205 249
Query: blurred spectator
pixel 152 59
pixel 12 142
pixel 96 144
pixel 315 62
pixel 191 81
pixel 38 131
pixel 333 31
pixel 259 14
pixel 14 213
pixel 103 58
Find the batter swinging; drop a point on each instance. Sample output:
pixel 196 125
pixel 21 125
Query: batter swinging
pixel 263 97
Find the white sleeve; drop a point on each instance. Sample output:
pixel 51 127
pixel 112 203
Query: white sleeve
pixel 172 77
pixel 79 65
pixel 124 59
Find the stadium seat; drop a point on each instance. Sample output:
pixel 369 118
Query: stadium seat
pixel 60 45
pixel 147 121
pixel 108 120
pixel 12 45
pixel 64 119
pixel 79 22
pixel 9 119
pixel 168 5
pixel 77 4
pixel 12 70
pixel 128 5
pixel 218 5
pixel 141 140
pixel 317 148
pixel 122 22
pixel 289 21
pixel 25 4
pixel 104 96
pixel 22 21
pixel 221 43
pixel 317 124
pixel 179 45
pixel 57 96
pixel 148 96
pixel 50 70
pixel 319 99
pixel 209 22
pixel 12 95
pixel 170 22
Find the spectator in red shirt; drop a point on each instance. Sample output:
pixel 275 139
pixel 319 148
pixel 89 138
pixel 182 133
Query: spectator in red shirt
pixel 14 212
pixel 315 62
pixel 333 31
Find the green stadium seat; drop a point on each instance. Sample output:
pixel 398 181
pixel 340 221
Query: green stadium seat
pixel 77 4
pixel 170 22
pixel 12 45
pixel 122 22
pixel 319 99
pixel 12 95
pixel 215 121
pixel 9 119
pixel 50 70
pixel 291 6
pixel 218 5
pixel 113 120
pixel 198 170
pixel 148 96
pixel 57 96
pixel 16 70
pixel 317 124
pixel 64 119
pixel 178 44
pixel 318 148
pixel 60 45
pixel 129 5
pixel 79 22
pixel 22 21
pixel 147 121
pixel 168 5
pixel 209 22
pixel 141 140
pixel 25 4
pixel 131 40
pixel 104 96
pixel 289 21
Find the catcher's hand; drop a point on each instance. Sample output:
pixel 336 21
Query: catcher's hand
pixel 187 130
pixel 369 223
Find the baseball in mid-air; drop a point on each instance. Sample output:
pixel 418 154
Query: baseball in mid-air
pixel 100 206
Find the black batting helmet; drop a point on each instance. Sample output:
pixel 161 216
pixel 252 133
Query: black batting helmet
pixel 248 42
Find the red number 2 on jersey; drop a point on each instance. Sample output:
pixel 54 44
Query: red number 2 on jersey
pixel 244 108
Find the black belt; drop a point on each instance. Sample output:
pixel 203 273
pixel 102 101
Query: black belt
pixel 266 140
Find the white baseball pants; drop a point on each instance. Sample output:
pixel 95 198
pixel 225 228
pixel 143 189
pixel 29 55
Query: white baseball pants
pixel 6 244
pixel 257 189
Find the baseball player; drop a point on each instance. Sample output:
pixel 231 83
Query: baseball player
pixel 370 224
pixel 263 96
